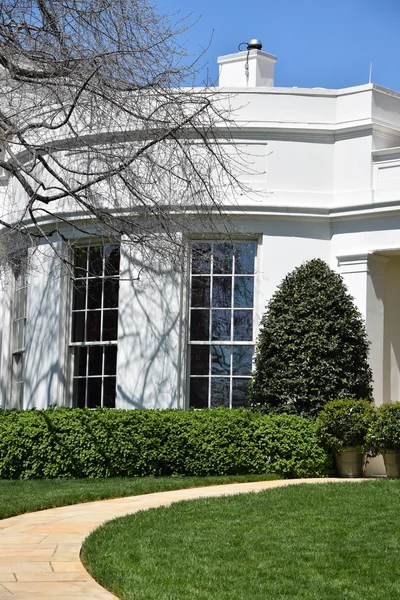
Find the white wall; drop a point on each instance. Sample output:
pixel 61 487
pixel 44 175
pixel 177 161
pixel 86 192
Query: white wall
pixel 149 337
pixel 45 366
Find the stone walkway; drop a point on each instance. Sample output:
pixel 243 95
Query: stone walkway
pixel 39 552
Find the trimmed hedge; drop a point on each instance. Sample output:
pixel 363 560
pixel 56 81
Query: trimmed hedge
pixel 74 443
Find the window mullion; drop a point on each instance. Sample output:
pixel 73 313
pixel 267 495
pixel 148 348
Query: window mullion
pixel 91 391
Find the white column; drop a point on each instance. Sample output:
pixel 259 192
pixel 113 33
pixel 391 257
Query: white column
pixel 364 276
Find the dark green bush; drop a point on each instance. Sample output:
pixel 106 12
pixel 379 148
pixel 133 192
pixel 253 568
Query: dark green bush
pixel 312 345
pixel 384 432
pixel 77 443
pixel 345 423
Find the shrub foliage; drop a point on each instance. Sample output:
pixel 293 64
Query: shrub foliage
pixel 312 345
pixel 73 443
pixel 384 433
pixel 345 423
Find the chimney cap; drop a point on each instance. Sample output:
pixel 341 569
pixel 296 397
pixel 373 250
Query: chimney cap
pixel 254 44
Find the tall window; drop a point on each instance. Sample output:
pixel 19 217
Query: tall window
pixel 19 331
pixel 95 325
pixel 221 323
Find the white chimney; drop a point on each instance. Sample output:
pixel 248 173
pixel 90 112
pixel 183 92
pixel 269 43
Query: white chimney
pixel 249 68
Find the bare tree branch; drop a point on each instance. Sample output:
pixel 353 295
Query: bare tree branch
pixel 96 119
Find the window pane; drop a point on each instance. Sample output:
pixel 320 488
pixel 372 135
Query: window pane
pixel 244 257
pixel 222 292
pixel 95 360
pixel 198 392
pixel 112 260
pixel 19 334
pixel 221 325
pixel 80 355
pixel 242 325
pixel 111 288
pixel 78 327
pixel 200 325
pixel 199 360
pixel 80 262
pixel 19 303
pixel 94 293
pixel 15 335
pixel 93 325
pixel 95 261
pixel 242 360
pixel 244 292
pixel 201 291
pixel 220 360
pixel 220 388
pixel 18 366
pixel 94 392
pixel 110 360
pixel 222 259
pixel 79 393
pixel 109 392
pixel 201 258
pixel 110 325
pixel 240 392
pixel 79 295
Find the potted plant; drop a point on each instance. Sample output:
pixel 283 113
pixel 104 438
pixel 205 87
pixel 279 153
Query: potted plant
pixel 384 437
pixel 343 426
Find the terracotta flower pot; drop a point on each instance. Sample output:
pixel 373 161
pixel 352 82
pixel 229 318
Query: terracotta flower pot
pixel 350 463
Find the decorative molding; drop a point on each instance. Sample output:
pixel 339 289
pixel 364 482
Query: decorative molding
pixel 386 154
pixel 363 262
pixel 246 56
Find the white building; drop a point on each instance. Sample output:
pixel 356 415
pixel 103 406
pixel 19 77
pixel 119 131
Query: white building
pixel 327 173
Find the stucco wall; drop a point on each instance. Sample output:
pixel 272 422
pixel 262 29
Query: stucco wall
pixel 45 367
pixel 151 313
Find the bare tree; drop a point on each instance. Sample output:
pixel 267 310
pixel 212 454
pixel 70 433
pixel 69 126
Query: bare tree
pixel 99 130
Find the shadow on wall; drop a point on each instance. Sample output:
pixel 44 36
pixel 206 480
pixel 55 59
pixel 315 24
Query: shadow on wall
pixel 44 373
pixel 391 354
pixel 149 336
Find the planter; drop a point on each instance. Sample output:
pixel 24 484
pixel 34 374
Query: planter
pixel 392 463
pixel 350 463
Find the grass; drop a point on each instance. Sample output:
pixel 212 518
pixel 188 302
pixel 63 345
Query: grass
pixel 17 497
pixel 310 542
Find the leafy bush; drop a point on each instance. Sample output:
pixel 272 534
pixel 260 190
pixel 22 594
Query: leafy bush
pixel 75 443
pixel 384 432
pixel 345 423
pixel 312 345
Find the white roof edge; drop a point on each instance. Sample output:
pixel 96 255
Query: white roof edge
pixel 297 91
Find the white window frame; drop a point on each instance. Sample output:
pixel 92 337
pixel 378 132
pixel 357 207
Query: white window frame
pixel 74 346
pixel 231 343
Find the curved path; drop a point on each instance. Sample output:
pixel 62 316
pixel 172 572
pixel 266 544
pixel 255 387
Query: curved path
pixel 39 552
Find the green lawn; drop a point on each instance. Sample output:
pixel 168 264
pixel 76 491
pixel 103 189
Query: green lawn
pixel 17 497
pixel 310 542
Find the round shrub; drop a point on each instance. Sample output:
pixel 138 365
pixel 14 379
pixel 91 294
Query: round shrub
pixel 345 423
pixel 384 431
pixel 312 346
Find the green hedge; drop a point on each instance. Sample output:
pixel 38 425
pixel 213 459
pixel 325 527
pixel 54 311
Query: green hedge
pixel 75 443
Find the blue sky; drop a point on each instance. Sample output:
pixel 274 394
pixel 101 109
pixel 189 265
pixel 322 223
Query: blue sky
pixel 319 43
